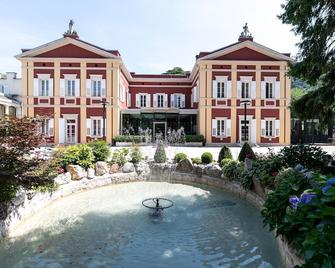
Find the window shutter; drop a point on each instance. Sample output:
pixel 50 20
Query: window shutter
pixel 51 87
pixel 77 87
pixel 103 88
pixel 51 127
pixel 277 127
pixel 155 100
pixel 239 89
pixel 263 89
pixel 128 99
pixel 102 127
pixel 183 101
pixel 88 127
pixel 253 89
pixel 172 98
pixel 165 100
pixel 61 130
pixel 215 89
pixel 88 87
pixel 138 100
pixel 148 104
pixel 228 83
pixel 36 87
pixel 62 87
pixel 277 89
pixel 263 128
pixel 214 126
pixel 228 127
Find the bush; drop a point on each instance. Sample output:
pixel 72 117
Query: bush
pixel 196 160
pixel 232 169
pixel 129 138
pixel 246 152
pixel 81 155
pixel 179 156
pixel 206 158
pixel 135 155
pixel 224 153
pixel 195 138
pixel 310 156
pixel 160 155
pixel 101 150
pixel 119 157
pixel 8 189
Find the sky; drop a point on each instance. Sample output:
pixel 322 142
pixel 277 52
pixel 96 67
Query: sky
pixel 151 35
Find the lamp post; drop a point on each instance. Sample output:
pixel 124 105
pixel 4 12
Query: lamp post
pixel 245 102
pixel 104 103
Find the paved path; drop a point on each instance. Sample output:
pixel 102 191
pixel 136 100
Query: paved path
pixel 149 151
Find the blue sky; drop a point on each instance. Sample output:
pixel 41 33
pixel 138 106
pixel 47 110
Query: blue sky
pixel 152 35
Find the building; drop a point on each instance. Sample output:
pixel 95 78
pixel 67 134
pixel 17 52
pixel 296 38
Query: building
pixel 10 87
pixel 67 80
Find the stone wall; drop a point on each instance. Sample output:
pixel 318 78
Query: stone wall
pixel 27 202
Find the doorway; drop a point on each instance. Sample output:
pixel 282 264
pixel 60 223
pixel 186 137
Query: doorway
pixel 159 130
pixel 71 131
pixel 245 130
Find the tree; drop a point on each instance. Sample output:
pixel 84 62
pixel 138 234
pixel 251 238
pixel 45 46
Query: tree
pixel 18 137
pixel 176 71
pixel 314 21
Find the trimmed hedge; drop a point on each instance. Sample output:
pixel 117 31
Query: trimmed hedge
pixel 179 157
pixel 206 158
pixel 225 153
pixel 194 138
pixel 246 152
pixel 130 138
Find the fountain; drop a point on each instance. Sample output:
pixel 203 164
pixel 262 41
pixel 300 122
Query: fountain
pixel 157 205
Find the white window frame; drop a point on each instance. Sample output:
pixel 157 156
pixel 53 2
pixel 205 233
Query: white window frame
pixel 270 129
pixel 96 126
pixel 43 89
pixel 44 127
pixel 246 85
pixel 221 90
pixel 70 87
pixel 96 87
pixel 181 100
pixel 272 87
pixel 143 97
pixel 2 89
pixel 221 127
pixel 158 101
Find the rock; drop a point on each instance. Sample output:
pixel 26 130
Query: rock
pixel 185 165
pixel 247 163
pixel 213 170
pixel 77 172
pixel 142 168
pixel 199 170
pixel 128 168
pixel 90 173
pixel 101 168
pixel 19 197
pixel 63 178
pixel 114 168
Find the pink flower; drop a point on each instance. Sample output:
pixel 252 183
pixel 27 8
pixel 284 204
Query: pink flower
pixel 60 170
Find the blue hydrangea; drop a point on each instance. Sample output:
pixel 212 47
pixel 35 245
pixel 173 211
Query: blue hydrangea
pixel 326 188
pixel 306 198
pixel 331 182
pixel 294 201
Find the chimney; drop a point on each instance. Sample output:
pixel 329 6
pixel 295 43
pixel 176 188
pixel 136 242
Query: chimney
pixel 245 35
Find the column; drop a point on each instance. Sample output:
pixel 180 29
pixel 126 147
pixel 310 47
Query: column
pixel 209 103
pixel 202 100
pixel 233 102
pixel 83 106
pixel 258 103
pixel 288 111
pixel 24 74
pixel 116 99
pixel 109 91
pixel 30 94
pixel 282 105
pixel 56 101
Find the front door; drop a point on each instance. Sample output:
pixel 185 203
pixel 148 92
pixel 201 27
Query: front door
pixel 159 130
pixel 245 130
pixel 71 131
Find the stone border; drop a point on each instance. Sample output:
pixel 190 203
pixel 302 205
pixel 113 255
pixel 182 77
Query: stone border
pixel 26 202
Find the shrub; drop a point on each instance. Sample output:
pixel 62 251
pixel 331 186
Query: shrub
pixel 246 152
pixel 206 158
pixel 310 156
pixel 179 156
pixel 160 155
pixel 232 169
pixel 119 156
pixel 224 153
pixel 195 138
pixel 81 155
pixel 101 150
pixel 135 155
pixel 129 138
pixel 196 160
pixel 8 189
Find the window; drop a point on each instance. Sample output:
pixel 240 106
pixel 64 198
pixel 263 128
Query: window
pixel 160 100
pixel 220 127
pixel 44 87
pixel 178 101
pixel 269 128
pixel 269 90
pixel 70 88
pixel 221 90
pixel 96 127
pixel 96 86
pixel 245 92
pixel 2 89
pixel 143 100
pixel 44 129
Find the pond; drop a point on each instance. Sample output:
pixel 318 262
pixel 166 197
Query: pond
pixel 108 226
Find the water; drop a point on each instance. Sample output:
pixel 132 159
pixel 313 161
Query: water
pixel 108 227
